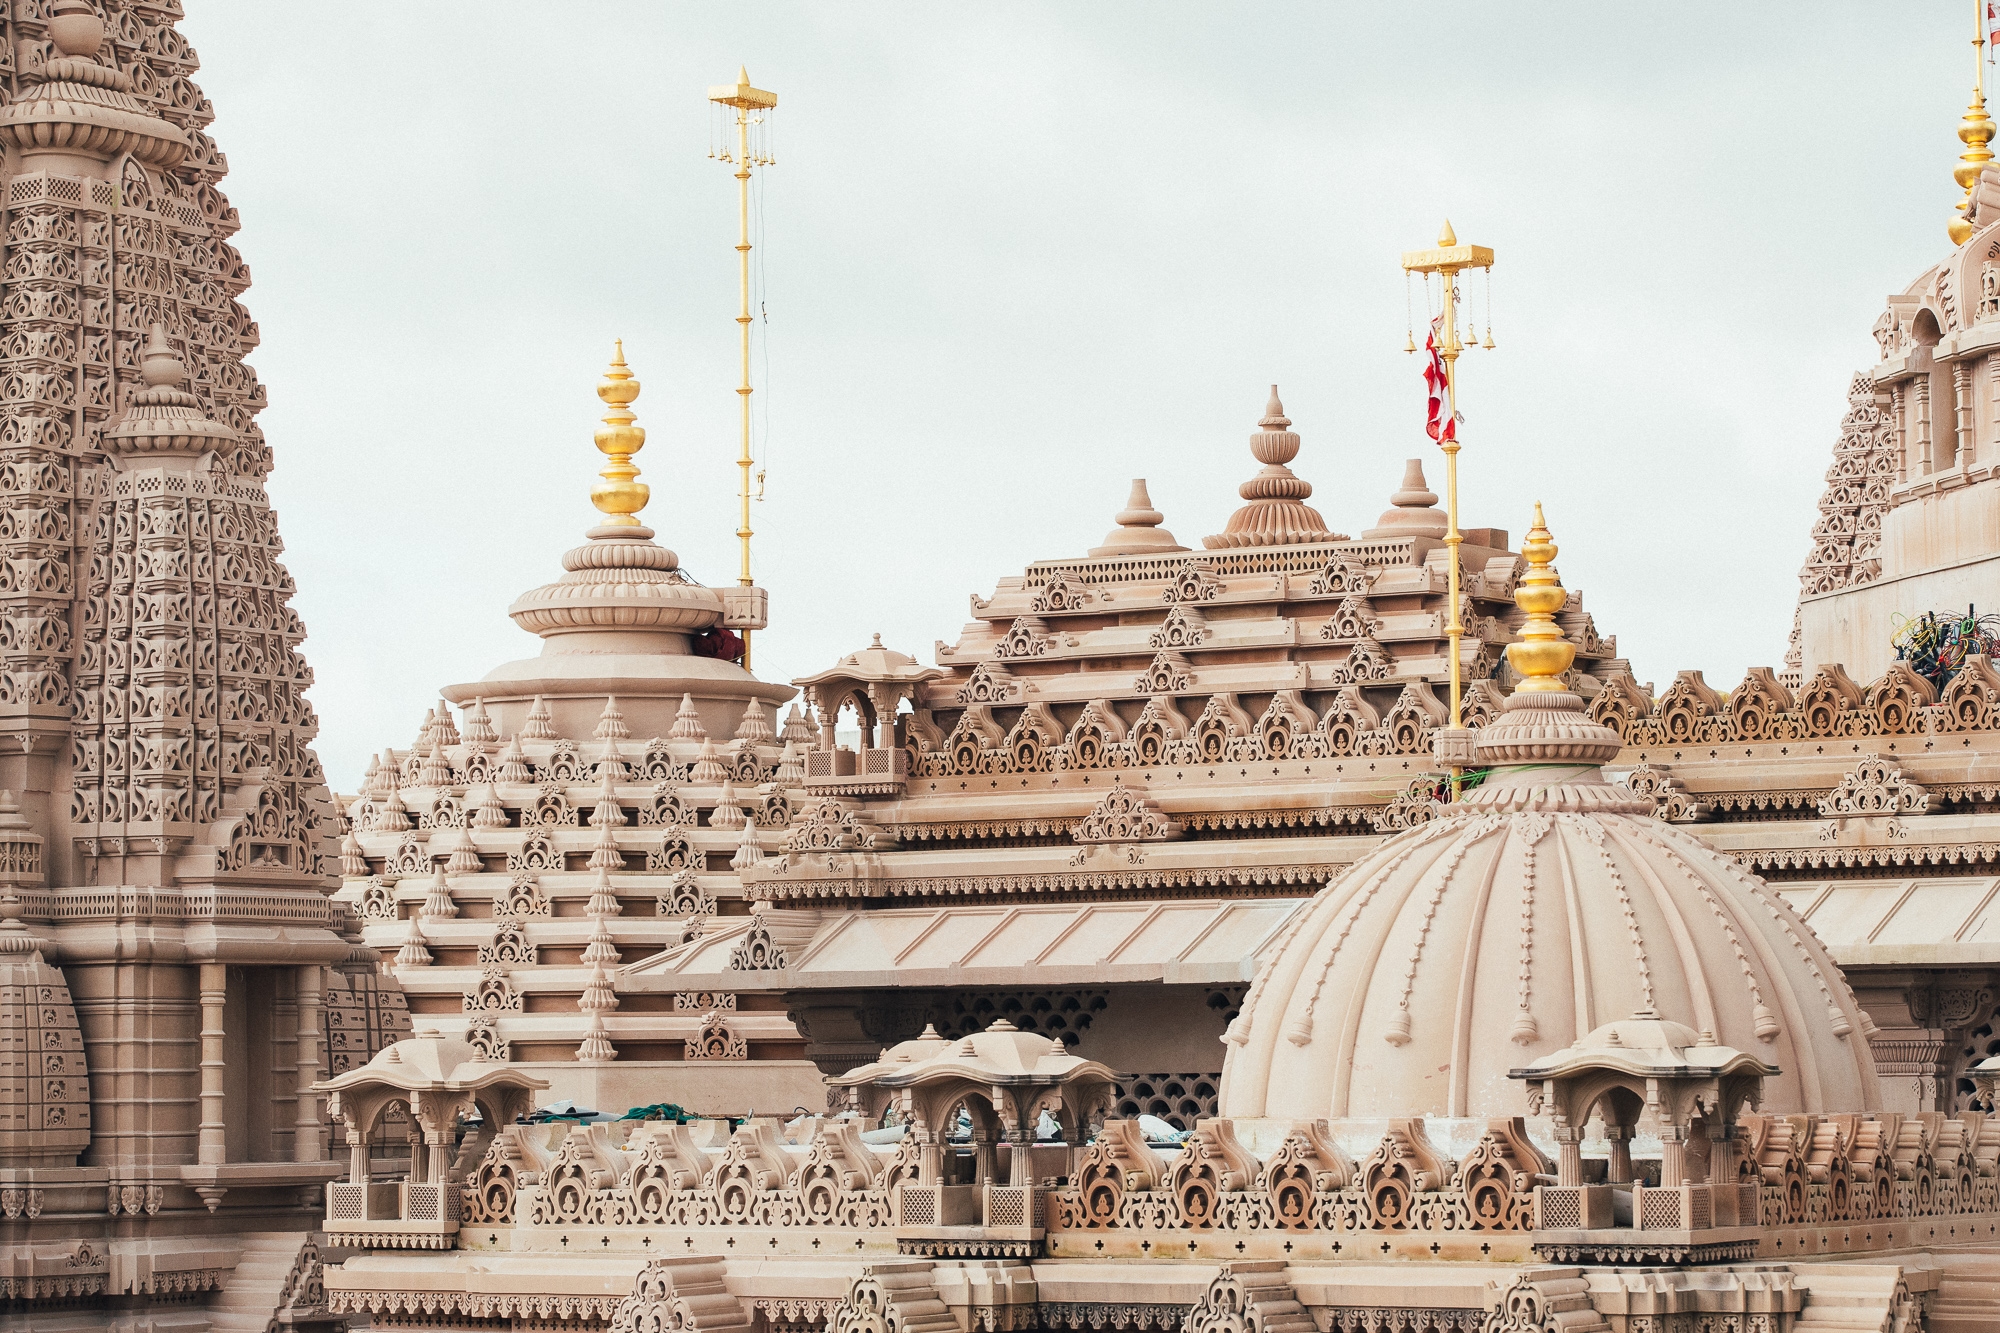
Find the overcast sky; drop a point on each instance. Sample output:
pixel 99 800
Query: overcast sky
pixel 1016 255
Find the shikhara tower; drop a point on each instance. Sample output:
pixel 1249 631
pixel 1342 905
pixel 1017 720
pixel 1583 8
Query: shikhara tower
pixel 153 720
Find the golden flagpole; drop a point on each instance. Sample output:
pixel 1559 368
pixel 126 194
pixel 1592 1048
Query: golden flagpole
pixel 750 105
pixel 1448 260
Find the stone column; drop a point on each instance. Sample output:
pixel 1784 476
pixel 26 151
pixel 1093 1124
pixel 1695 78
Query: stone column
pixel 1620 1138
pixel 985 1157
pixel 1922 407
pixel 1722 1154
pixel 1902 432
pixel 930 1156
pixel 1673 1163
pixel 1020 1156
pixel 357 1156
pixel 1961 397
pixel 1569 1156
pixel 307 1143
pixel 213 1145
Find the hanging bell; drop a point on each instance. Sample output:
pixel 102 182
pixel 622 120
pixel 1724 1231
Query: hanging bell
pixel 1488 344
pixel 1410 341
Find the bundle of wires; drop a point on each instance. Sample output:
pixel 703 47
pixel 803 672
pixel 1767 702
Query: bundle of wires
pixel 1936 644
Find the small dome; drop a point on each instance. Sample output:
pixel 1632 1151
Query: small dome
pixel 876 662
pixel 1541 908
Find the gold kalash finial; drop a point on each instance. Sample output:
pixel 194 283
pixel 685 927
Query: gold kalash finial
pixel 618 495
pixel 753 107
pixel 1975 131
pixel 1544 652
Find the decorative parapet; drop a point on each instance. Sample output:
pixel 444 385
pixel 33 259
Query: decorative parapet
pixel 1827 706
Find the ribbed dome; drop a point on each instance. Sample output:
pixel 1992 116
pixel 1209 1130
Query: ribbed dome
pixel 1545 905
pixel 1478 942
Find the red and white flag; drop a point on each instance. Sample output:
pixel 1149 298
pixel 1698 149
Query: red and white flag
pixel 1441 428
pixel 1992 29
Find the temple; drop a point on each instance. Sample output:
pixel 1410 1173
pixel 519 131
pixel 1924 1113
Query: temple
pixel 1158 959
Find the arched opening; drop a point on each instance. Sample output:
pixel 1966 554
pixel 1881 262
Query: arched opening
pixel 1933 408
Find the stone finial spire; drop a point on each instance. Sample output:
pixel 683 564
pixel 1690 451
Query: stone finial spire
pixel 438 904
pixel 755 726
pixel 708 766
pixel 538 727
pixel 727 813
pixel 603 899
pixel 1276 514
pixel 447 729
pixel 1413 510
pixel 748 853
pixel 413 953
pixel 611 761
pixel 797 730
pixel 791 766
pixel 513 763
pixel 479 731
pixel 611 722
pixel 598 999
pixel 163 422
pixel 687 722
pixel 619 496
pixel 1138 531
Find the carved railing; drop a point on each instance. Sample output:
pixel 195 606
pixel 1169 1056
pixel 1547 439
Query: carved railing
pixel 401 1215
pixel 1308 1184
pixel 661 1175
pixel 1802 1170
pixel 1828 705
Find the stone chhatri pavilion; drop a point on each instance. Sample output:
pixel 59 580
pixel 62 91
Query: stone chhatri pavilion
pixel 1683 1016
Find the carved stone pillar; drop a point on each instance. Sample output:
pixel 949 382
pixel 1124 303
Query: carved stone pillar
pixel 1673 1156
pixel 1619 1170
pixel 1961 398
pixel 1922 409
pixel 308 1145
pixel 357 1156
pixel 1020 1156
pixel 1569 1156
pixel 213 1144
pixel 1901 427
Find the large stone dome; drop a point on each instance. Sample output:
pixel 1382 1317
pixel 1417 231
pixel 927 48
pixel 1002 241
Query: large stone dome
pixel 1547 903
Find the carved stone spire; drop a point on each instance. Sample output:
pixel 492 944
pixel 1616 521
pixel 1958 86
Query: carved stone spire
pixel 1413 510
pixel 1276 514
pixel 1138 531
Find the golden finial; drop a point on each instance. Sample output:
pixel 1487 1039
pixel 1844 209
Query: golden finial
pixel 1447 237
pixel 618 495
pixel 1544 652
pixel 1975 131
